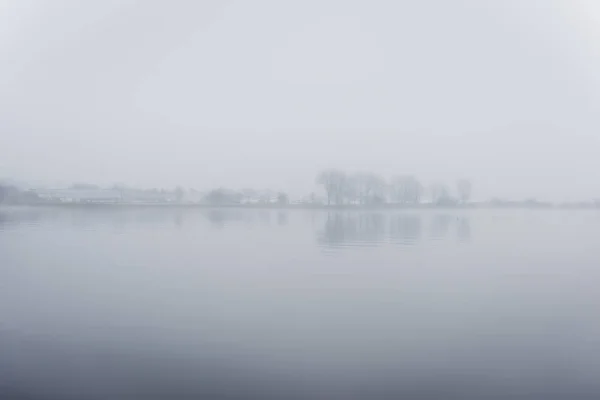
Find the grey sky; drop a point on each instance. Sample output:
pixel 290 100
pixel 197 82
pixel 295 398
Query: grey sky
pixel 265 93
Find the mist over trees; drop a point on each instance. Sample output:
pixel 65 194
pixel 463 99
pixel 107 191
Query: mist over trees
pixel 335 185
pixel 368 189
pixel 439 194
pixel 464 187
pixel 338 188
pixel 405 189
pixel 352 189
pixel 11 194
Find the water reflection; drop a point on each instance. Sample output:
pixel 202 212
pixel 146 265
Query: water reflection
pixel 352 229
pixel 91 218
pixel 11 217
pixel 238 303
pixel 178 219
pixel 464 229
pixel 219 218
pixel 440 224
pixel 342 229
pixel 332 229
pixel 264 217
pixel 405 228
pixel 282 218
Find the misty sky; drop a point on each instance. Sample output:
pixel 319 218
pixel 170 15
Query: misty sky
pixel 265 93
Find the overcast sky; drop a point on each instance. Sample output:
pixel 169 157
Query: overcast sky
pixel 265 93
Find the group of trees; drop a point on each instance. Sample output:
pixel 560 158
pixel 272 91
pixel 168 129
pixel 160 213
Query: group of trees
pixel 246 196
pixel 341 188
pixel 371 189
pixel 10 194
pixel 217 196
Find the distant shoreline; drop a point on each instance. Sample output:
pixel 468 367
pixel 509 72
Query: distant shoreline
pixel 346 207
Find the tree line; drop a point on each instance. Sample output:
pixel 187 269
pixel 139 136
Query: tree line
pixel 342 188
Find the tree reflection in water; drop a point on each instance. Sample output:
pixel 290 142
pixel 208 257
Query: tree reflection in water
pixel 356 229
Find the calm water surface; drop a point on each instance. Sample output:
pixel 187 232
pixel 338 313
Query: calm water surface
pixel 172 303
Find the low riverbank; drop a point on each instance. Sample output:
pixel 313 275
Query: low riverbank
pixel 380 207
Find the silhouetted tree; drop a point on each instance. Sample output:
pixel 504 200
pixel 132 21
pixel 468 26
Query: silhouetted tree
pixel 351 188
pixel 282 198
pixel 406 189
pixel 440 195
pixel 28 197
pixel 370 188
pixel 179 194
pixel 222 197
pixel 464 188
pixel 12 195
pixel 333 182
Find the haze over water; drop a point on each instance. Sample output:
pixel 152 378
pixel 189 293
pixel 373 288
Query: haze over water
pixel 182 303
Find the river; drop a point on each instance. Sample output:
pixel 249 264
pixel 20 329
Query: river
pixel 105 303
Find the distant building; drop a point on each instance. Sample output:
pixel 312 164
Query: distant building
pixel 260 199
pixel 311 199
pixel 80 196
pixel 135 196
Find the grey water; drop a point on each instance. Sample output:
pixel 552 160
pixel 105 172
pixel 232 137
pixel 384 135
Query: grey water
pixel 150 303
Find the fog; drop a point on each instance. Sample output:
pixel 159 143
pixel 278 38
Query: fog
pixel 266 93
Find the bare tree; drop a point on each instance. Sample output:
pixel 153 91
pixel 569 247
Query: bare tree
pixel 179 194
pixel 333 182
pixel 369 187
pixel 359 183
pixel 377 187
pixel 283 198
pixel 222 196
pixel 406 189
pixel 440 194
pixel 464 189
pixel 351 189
